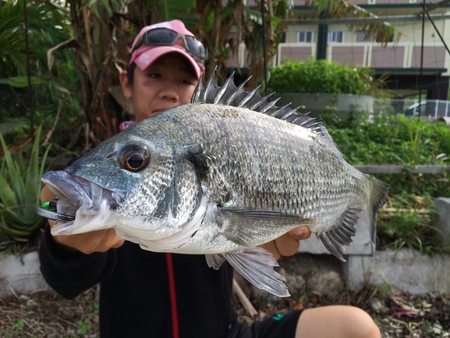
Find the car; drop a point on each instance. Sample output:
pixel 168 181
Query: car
pixel 429 109
pixel 417 109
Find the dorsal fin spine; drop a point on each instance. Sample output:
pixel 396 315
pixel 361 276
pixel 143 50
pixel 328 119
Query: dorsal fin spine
pixel 249 96
pixel 228 85
pixel 277 112
pixel 269 105
pixel 239 90
pixel 260 102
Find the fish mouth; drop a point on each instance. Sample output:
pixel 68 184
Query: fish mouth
pixel 79 203
pixel 54 215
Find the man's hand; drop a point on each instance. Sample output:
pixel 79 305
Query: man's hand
pixel 96 241
pixel 288 244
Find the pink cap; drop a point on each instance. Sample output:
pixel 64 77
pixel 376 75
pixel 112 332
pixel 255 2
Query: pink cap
pixel 145 55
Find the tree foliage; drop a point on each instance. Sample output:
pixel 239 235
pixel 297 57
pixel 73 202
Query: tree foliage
pixel 87 44
pixel 45 24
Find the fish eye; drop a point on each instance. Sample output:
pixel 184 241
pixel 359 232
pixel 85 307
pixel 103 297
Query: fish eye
pixel 134 157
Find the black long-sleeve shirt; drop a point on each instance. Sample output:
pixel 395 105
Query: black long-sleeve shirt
pixel 136 290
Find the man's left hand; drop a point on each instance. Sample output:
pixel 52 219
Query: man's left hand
pixel 288 244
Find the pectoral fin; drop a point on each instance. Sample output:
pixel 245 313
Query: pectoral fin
pixel 255 265
pixel 256 214
pixel 252 227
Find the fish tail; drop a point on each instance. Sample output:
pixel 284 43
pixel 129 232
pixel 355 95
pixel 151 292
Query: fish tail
pixel 377 197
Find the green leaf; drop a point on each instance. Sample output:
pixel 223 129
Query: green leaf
pixel 108 8
pixel 13 171
pixel 20 187
pixel 176 9
pixel 7 196
pixel 22 81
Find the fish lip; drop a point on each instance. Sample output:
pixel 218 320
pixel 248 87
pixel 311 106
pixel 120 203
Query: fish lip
pixel 76 197
pixel 67 186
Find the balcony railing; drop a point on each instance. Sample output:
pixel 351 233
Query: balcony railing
pixel 401 55
pixel 428 109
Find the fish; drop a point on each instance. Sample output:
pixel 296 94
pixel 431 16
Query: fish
pixel 219 176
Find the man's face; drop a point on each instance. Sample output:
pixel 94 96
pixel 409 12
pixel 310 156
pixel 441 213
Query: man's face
pixel 166 83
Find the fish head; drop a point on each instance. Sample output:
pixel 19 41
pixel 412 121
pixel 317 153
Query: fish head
pixel 142 185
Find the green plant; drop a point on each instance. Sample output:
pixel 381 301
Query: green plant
pixel 20 186
pixel 410 222
pixel 391 139
pixel 321 76
pixel 385 290
pixel 19 326
pixel 84 327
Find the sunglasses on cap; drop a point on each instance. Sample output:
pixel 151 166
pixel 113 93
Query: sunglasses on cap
pixel 168 37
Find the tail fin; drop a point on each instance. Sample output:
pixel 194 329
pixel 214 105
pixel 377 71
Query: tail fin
pixel 376 200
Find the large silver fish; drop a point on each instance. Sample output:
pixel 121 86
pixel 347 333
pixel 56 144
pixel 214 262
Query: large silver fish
pixel 219 176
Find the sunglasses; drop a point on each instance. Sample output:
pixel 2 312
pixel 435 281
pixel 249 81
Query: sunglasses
pixel 168 37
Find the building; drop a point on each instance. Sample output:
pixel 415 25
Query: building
pixel 416 61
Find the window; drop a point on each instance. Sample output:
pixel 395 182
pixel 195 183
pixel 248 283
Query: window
pixel 361 36
pixel 305 36
pixel 336 36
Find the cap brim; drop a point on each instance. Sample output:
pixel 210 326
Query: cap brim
pixel 151 53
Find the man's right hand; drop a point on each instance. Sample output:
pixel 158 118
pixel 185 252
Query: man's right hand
pixel 87 243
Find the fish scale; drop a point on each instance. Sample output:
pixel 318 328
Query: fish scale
pixel 219 176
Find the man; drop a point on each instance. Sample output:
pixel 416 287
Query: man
pixel 146 294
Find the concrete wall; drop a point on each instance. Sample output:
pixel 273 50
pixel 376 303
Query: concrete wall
pixel 404 270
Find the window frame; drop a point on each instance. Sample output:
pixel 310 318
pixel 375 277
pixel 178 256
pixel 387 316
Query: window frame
pixel 306 32
pixel 331 34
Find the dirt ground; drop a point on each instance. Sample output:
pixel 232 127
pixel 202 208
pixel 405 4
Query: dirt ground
pixel 45 314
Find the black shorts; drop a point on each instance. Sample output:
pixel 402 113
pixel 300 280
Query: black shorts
pixel 281 325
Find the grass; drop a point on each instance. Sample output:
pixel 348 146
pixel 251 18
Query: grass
pixel 410 221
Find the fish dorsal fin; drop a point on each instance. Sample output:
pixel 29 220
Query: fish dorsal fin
pixel 234 96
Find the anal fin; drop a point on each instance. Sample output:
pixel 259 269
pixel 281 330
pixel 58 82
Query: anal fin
pixel 341 233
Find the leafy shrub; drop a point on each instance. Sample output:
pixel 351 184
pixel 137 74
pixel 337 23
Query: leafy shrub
pixel 390 139
pixel 321 76
pixel 20 186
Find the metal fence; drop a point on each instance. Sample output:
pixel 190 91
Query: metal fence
pixel 429 109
